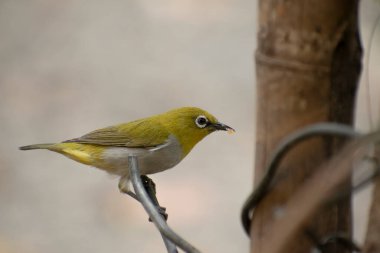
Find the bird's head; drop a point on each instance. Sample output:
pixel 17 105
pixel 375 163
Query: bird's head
pixel 190 125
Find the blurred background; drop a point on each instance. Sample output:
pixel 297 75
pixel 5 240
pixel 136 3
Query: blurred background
pixel 69 67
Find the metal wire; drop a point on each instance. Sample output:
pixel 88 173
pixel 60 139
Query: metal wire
pixel 322 244
pixel 170 237
pixel 319 129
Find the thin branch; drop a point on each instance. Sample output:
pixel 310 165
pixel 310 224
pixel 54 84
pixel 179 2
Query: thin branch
pixel 151 209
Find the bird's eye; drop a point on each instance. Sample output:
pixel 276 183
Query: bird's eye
pixel 201 121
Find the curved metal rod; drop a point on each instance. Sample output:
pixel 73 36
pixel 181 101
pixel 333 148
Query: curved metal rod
pixel 151 209
pixel 319 129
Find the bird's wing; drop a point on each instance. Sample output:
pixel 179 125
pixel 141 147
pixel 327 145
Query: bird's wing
pixel 136 134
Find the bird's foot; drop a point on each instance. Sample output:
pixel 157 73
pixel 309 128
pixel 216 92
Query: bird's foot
pixel 150 188
pixel 124 188
pixel 162 211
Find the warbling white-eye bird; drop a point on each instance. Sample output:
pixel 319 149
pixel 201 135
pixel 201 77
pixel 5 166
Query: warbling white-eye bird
pixel 159 142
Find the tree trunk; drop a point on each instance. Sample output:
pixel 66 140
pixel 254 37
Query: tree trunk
pixel 372 241
pixel 307 65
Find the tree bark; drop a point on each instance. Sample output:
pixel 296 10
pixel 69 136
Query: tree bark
pixel 372 241
pixel 307 64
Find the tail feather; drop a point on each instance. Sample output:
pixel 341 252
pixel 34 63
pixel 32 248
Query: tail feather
pixel 37 146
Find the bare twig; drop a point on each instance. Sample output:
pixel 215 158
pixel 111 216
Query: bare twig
pixel 167 233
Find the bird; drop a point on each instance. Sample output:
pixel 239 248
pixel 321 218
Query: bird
pixel 159 142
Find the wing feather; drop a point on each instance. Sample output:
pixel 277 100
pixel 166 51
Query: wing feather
pixel 137 134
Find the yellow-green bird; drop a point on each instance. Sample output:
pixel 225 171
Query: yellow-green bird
pixel 160 142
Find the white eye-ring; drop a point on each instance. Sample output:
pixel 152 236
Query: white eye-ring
pixel 201 121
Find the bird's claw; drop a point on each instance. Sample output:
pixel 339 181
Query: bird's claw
pixel 162 211
pixel 150 188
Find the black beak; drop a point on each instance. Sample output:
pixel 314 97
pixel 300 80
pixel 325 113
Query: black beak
pixel 221 126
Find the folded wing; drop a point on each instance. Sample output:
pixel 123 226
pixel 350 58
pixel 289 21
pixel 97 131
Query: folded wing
pixel 137 134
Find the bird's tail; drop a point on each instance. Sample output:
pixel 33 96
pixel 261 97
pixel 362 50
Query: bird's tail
pixel 37 146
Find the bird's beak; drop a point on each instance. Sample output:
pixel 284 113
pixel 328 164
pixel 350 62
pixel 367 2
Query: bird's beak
pixel 221 126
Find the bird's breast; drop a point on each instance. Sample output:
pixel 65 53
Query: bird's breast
pixel 151 160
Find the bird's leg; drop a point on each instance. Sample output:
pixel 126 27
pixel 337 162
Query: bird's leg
pixel 150 188
pixel 131 194
pixel 124 188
